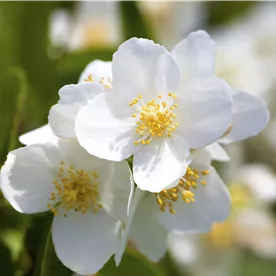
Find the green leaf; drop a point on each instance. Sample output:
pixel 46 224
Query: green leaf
pixel 40 245
pixel 133 264
pixel 133 22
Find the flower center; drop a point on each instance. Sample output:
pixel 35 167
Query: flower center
pixel 75 189
pixel 106 82
pixel 156 118
pixel 187 183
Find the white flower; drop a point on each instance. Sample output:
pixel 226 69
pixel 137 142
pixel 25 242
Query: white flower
pixel 151 114
pixel 87 195
pixel 260 180
pixel 199 200
pixel 95 78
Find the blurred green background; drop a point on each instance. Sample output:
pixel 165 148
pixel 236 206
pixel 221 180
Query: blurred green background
pixel 45 45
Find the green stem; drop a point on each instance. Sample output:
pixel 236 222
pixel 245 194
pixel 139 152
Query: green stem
pixel 19 106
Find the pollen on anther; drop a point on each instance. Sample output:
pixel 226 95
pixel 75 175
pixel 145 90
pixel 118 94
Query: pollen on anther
pixel 154 119
pixel 76 190
pixel 184 190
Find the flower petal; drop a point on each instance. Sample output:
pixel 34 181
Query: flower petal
pixel 117 190
pixel 105 131
pixel 212 204
pixel 158 164
pixel 250 116
pixel 195 55
pixel 135 198
pixel 41 135
pixel 72 97
pixel 27 176
pixel 142 67
pixel 218 153
pixel 152 239
pixel 204 111
pixel 98 70
pixel 85 242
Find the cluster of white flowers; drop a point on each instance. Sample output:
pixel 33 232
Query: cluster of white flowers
pixel 166 110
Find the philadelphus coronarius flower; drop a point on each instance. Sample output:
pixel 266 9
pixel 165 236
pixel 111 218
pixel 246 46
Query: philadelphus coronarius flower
pixel 190 207
pixel 157 110
pixel 87 195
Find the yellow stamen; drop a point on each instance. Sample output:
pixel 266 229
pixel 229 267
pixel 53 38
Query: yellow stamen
pixel 166 198
pixel 76 190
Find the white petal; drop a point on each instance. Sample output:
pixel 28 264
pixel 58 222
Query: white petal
pixel 104 130
pixel 250 116
pixel 142 67
pixel 218 153
pixel 85 242
pixel 27 176
pixel 204 111
pixel 98 69
pixel 212 204
pixel 41 135
pixel 72 97
pixel 136 198
pixel 148 235
pixel 195 55
pixel 117 190
pixel 115 178
pixel 160 163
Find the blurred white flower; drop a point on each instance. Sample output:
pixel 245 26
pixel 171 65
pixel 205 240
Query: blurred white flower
pixel 261 181
pixel 87 195
pixel 96 24
pixel 199 200
pixel 238 63
pixel 60 27
pixel 173 20
pixel 152 114
pixel 260 25
pixel 262 228
pixel 248 61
